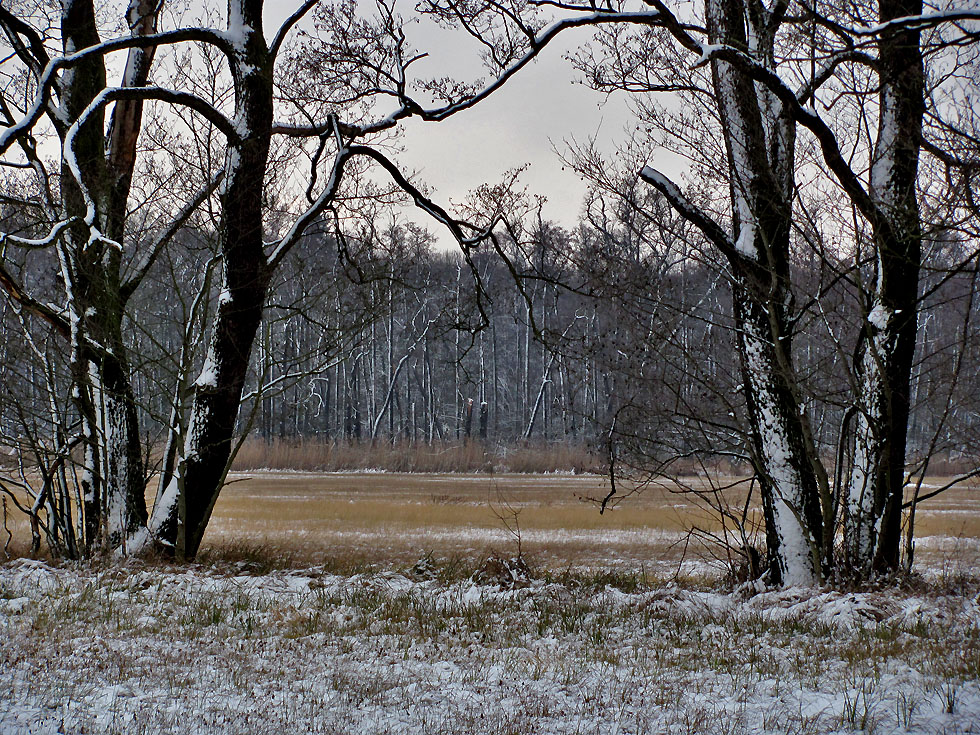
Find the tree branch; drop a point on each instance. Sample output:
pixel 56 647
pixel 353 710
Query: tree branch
pixel 47 79
pixel 130 286
pixel 288 24
pixel 693 214
pixel 45 312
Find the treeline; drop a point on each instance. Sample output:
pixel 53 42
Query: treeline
pixel 617 336
pixel 401 342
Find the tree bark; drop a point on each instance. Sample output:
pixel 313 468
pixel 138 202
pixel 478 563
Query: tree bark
pixel 760 140
pixel 886 346
pixel 186 505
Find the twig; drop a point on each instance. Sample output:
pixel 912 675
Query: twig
pixel 10 536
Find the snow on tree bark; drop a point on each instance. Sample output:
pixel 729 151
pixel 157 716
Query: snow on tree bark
pixel 887 343
pixel 760 140
pixel 104 394
pixel 188 501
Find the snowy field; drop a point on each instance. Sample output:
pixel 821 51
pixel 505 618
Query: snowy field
pixel 216 649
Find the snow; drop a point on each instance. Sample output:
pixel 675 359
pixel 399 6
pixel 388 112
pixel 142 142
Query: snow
pixel 164 505
pixel 787 484
pixel 862 521
pixel 233 162
pixel 882 188
pixel 136 543
pixel 707 49
pixel 209 373
pixel 879 317
pixel 745 244
pixel 922 21
pixel 155 649
pixel 238 30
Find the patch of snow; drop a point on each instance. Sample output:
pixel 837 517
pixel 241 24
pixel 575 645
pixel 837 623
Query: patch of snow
pixel 136 543
pixel 879 317
pixel 209 373
pixel 164 506
pixel 15 606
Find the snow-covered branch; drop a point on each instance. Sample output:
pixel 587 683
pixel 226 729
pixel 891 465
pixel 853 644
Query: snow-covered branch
pixel 47 79
pixel 692 213
pixel 916 22
pixel 39 243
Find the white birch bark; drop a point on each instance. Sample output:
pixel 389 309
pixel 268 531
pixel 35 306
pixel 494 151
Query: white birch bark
pixel 875 489
pixel 760 143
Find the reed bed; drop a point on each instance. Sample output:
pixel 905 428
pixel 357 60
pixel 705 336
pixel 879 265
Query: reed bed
pixel 319 455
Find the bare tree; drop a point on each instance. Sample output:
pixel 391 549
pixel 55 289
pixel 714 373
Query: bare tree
pixel 92 191
pixel 765 92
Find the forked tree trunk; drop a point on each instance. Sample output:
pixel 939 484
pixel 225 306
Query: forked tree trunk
pixel 760 140
pixel 112 473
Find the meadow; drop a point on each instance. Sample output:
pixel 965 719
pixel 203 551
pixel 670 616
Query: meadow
pixel 354 603
pixel 388 519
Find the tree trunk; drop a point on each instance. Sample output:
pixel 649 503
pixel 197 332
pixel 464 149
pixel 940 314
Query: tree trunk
pixel 887 343
pixel 186 506
pixel 760 141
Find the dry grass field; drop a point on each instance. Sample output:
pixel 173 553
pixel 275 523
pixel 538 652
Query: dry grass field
pixel 380 518
pixel 383 518
pixel 388 519
pixel 309 612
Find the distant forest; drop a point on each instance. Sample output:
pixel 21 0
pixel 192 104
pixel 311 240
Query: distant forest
pixel 622 325
pixel 619 326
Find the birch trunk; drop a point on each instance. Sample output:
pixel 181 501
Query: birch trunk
pixel 872 524
pixel 112 466
pixel 760 139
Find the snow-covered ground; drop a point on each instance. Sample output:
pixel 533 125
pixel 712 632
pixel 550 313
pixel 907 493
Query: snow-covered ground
pixel 146 649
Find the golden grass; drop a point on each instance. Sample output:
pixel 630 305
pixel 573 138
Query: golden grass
pixel 394 517
pixel 389 517
pixel 399 516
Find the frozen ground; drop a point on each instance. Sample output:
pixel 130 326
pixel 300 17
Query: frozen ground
pixel 156 649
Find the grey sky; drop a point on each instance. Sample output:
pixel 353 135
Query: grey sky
pixel 524 122
pixel 536 112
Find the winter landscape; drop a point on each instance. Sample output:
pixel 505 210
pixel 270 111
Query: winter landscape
pixel 630 637
pixel 490 366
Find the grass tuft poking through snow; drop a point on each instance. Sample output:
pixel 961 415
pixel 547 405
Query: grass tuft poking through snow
pixel 242 647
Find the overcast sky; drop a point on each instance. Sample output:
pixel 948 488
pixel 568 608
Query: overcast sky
pixel 536 112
